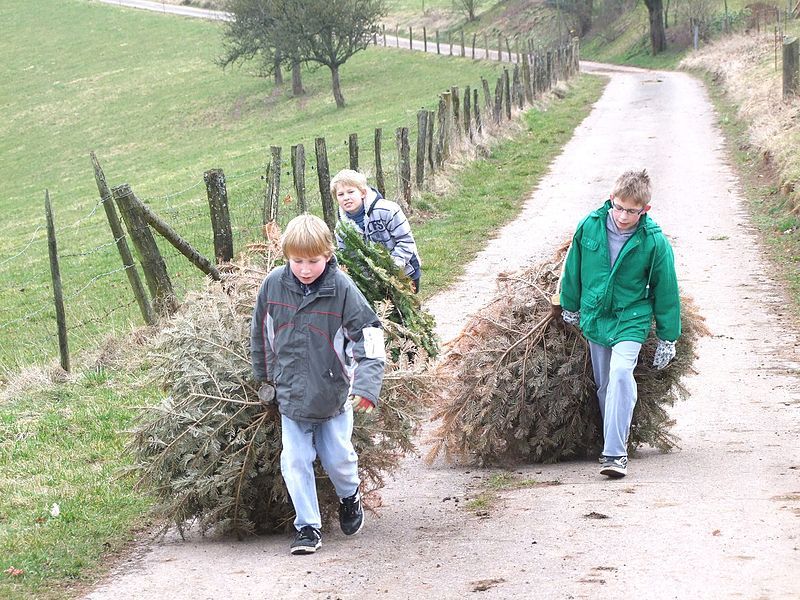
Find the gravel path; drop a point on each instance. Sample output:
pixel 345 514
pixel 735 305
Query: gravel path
pixel 719 518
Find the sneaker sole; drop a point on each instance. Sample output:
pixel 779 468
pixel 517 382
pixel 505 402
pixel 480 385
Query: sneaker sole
pixel 305 549
pixel 613 472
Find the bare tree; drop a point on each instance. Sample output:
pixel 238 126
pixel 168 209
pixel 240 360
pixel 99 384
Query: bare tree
pixel 254 35
pixel 329 32
pixel 658 36
pixel 469 7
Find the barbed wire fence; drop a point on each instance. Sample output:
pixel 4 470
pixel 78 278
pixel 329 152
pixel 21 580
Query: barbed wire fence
pixel 96 293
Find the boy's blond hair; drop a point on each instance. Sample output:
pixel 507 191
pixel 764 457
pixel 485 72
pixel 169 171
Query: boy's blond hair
pixel 306 236
pixel 349 177
pixel 633 186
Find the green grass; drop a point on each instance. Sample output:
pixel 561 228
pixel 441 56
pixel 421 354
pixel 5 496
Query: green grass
pixel 490 191
pixel 143 92
pixel 65 446
pixel 778 225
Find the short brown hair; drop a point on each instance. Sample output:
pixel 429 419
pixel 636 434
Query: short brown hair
pixel 633 186
pixel 306 236
pixel 349 177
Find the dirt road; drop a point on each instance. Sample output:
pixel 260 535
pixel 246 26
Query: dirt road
pixel 718 519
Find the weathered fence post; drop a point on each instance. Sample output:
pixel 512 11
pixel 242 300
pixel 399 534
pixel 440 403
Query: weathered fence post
pixel 526 77
pixel 463 50
pixel 477 110
pixel 55 277
pixel 352 146
pixel 467 113
pixel 438 51
pixel 155 270
pixel 410 39
pixel 329 212
pixel 380 181
pixel 498 100
pixel 474 37
pixel 122 244
pixel 425 39
pixel 273 186
pixel 790 67
pixel 487 96
pixel 299 176
pixel 448 123
pixel 456 106
pixel 383 27
pixel 518 95
pixel 217 194
pixel 422 141
pixel 403 169
pixel 507 93
pixel 429 138
pixel 486 45
pixel 441 119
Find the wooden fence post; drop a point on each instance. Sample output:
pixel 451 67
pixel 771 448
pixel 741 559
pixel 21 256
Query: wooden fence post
pixel 498 100
pixel 790 67
pixel 329 212
pixel 463 50
pixel 487 96
pixel 477 110
pixel 474 37
pixel 403 169
pixel 217 194
pixel 508 49
pixel 448 124
pixel 422 142
pixel 122 244
pixel 486 45
pixel 438 51
pixel 410 39
pixel 380 181
pixel 352 146
pixel 299 176
pixel 425 39
pixel 518 95
pixel 429 138
pixel 455 126
pixel 273 186
pixel 55 277
pixel 441 120
pixel 383 27
pixel 507 93
pixel 155 270
pixel 467 113
pixel 526 78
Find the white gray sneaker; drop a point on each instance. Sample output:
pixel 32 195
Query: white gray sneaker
pixel 614 467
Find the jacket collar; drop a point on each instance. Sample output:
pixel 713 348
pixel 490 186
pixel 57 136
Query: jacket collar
pixel 645 224
pixel 327 281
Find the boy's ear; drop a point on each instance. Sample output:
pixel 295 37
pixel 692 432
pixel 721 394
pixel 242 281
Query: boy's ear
pixel 646 208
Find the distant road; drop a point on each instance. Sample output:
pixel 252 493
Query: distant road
pixel 390 40
pixel 173 9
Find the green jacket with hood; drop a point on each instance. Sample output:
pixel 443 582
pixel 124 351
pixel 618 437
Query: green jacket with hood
pixel 618 304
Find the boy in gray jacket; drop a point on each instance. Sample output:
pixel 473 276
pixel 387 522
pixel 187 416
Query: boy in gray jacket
pixel 317 346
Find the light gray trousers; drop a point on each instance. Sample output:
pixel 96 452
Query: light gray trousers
pixel 616 392
pixel 302 442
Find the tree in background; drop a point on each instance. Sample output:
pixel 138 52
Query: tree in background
pixel 469 7
pixel 329 32
pixel 255 33
pixel 293 32
pixel 658 36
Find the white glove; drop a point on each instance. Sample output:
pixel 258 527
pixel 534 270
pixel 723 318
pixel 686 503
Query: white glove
pixel 665 352
pixel 571 318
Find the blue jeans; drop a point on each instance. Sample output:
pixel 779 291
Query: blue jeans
pixel 302 442
pixel 616 392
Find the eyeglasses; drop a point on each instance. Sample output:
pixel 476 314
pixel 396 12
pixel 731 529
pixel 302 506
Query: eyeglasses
pixel 630 211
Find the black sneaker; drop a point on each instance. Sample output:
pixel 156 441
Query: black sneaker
pixel 307 540
pixel 615 467
pixel 351 515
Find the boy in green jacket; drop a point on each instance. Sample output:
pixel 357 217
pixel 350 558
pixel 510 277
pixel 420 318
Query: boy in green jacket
pixel 619 275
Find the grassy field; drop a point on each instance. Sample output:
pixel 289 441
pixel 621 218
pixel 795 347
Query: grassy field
pixel 64 445
pixel 143 92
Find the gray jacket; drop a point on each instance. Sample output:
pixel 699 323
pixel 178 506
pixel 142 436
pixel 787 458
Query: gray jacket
pixel 318 347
